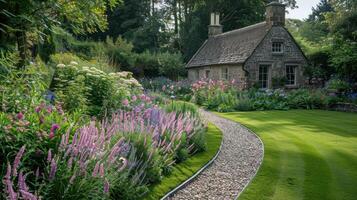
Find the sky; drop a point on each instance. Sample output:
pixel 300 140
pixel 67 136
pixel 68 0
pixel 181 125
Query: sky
pixel 304 10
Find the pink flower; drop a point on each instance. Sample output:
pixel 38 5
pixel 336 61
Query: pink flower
pixel 54 127
pixel 38 109
pixel 164 88
pixel 51 135
pixel 142 97
pixel 20 116
pixel 125 102
pixel 134 98
pixel 49 109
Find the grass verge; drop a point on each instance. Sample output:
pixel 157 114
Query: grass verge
pixel 183 171
pixel 309 154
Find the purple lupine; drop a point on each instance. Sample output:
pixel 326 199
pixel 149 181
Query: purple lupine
pixel 17 160
pixel 9 190
pixel 69 163
pixel 27 195
pixel 101 170
pixel 106 186
pixel 53 169
pixel 49 156
pixel 95 170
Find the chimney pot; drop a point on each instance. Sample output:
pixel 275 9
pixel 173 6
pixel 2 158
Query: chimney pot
pixel 215 28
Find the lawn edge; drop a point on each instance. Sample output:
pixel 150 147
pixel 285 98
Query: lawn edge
pixel 193 177
pixel 263 148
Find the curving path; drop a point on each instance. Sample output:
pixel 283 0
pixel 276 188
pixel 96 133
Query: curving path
pixel 236 165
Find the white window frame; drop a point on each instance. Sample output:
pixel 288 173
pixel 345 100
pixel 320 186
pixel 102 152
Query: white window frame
pixel 294 67
pixel 277 47
pixel 225 73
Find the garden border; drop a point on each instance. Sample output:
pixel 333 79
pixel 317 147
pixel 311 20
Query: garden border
pixel 188 181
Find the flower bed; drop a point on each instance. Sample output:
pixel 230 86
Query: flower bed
pixel 51 151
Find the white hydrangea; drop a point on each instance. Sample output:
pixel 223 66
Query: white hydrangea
pixel 73 63
pixel 61 65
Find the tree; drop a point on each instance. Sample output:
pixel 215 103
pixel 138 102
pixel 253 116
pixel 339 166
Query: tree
pixel 20 18
pixel 343 26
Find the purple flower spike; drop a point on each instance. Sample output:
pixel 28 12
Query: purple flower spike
pixel 53 169
pixel 95 170
pixel 49 156
pixel 106 186
pixel 17 160
pixel 27 195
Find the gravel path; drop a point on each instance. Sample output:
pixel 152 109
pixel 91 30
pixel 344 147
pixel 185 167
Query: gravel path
pixel 236 165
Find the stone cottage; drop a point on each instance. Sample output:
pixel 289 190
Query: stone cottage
pixel 261 55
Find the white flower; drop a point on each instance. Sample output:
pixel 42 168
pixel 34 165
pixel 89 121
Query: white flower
pixel 73 63
pixel 61 65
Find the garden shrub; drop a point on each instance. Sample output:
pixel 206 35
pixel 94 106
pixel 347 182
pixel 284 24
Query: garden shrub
pixel 98 92
pixel 215 95
pixel 181 107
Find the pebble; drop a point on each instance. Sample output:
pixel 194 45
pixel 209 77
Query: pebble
pixel 236 165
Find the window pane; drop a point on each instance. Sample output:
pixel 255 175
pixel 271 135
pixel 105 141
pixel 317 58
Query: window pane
pixel 290 74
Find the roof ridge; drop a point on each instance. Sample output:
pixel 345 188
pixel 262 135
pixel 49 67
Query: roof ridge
pixel 247 28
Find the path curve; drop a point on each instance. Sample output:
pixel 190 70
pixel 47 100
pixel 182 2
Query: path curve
pixel 238 162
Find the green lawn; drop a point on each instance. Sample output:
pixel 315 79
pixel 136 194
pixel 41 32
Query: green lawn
pixel 308 154
pixel 183 171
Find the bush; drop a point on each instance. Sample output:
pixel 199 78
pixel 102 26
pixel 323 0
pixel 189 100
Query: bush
pixel 184 108
pixel 244 103
pixel 171 65
pixel 97 92
pixel 339 85
pixel 215 95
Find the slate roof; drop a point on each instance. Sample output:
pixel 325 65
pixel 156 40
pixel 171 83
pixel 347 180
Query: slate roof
pixel 231 47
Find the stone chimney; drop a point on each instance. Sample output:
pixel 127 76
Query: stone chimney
pixel 215 27
pixel 275 14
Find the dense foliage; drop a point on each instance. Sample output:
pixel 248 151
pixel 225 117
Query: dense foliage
pixel 70 131
pixel 328 38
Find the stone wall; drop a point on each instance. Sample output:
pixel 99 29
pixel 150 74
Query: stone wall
pixel 263 55
pixel 344 107
pixel 234 72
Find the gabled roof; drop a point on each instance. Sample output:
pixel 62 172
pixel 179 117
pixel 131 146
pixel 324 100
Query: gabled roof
pixel 231 47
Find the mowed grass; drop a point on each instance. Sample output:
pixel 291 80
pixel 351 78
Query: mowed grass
pixel 309 154
pixel 183 171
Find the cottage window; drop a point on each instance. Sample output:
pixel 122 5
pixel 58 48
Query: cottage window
pixel 224 73
pixel 208 72
pixel 197 74
pixel 290 74
pixel 263 76
pixel 277 47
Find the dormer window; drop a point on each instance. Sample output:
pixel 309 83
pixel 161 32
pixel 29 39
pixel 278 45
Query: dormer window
pixel 277 47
